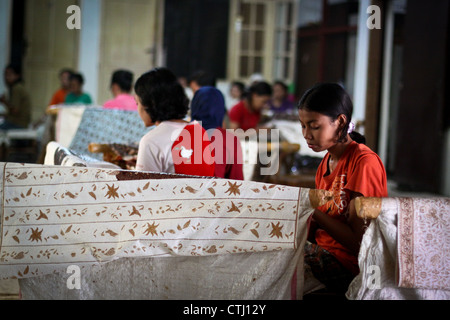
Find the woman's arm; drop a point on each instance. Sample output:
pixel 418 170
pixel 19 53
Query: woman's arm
pixel 348 234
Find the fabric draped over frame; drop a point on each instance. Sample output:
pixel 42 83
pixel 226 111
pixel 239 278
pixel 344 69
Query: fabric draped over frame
pixel 53 217
pixel 404 253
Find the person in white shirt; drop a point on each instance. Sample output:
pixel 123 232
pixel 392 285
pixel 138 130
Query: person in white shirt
pixel 173 145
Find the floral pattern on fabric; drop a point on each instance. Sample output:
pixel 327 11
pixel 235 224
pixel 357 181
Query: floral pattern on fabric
pixel 53 217
pixel 424 243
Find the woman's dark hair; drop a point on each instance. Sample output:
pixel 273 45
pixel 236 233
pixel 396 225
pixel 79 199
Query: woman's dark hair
pixel 332 100
pixel 260 88
pixel 78 77
pixel 161 95
pixel 203 78
pixel 282 84
pixel 124 79
pixel 66 70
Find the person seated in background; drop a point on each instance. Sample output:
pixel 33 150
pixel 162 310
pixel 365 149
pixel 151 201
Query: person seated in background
pixel 59 97
pixel 247 113
pixel 173 145
pixel 121 86
pixel 280 102
pixel 18 102
pixel 201 79
pixel 237 90
pixel 76 94
pixel 208 107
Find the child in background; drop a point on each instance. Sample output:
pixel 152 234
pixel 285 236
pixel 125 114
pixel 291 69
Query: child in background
pixel 247 113
pixel 237 90
pixel 76 94
pixel 349 170
pixel 59 97
pixel 174 145
pixel 121 85
pixel 280 102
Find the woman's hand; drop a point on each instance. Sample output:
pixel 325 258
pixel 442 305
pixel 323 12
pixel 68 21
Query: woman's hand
pixel 348 234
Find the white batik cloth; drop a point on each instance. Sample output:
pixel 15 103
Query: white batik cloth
pixel 404 253
pixel 149 238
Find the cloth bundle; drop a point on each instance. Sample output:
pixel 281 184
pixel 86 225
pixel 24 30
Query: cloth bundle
pixel 405 251
pixel 77 127
pixel 58 155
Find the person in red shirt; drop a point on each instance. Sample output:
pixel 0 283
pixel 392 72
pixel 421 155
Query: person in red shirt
pixel 247 113
pixel 60 95
pixel 208 107
pixel 349 170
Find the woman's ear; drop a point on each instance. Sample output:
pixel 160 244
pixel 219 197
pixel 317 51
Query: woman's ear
pixel 342 121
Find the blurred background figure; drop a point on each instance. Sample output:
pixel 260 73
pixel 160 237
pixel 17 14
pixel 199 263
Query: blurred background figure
pixel 280 102
pixel 201 79
pixel 59 97
pixel 208 107
pixel 237 90
pixel 121 87
pixel 184 83
pixel 76 94
pixel 17 102
pixel 247 113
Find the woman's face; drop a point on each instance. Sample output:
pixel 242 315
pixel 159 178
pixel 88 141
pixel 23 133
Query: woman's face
pixel 259 101
pixel 10 76
pixel 65 80
pixel 142 113
pixel 235 92
pixel 75 86
pixel 319 130
pixel 279 92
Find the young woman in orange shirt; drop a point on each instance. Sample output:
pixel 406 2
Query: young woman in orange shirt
pixel 349 169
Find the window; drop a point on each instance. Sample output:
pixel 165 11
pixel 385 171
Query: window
pixel 262 39
pixel 326 43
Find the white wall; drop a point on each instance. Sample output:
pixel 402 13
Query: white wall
pixel 89 55
pixel 362 62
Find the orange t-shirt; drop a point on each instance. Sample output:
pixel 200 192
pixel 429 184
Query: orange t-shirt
pixel 59 97
pixel 358 170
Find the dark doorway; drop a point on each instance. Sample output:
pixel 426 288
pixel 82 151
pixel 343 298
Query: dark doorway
pixel 196 36
pixel 422 116
pixel 18 44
